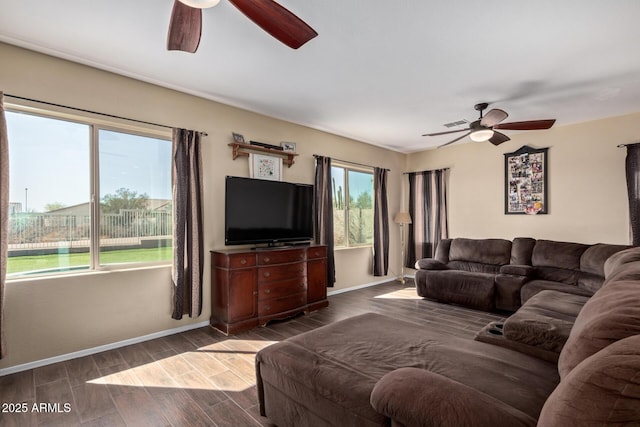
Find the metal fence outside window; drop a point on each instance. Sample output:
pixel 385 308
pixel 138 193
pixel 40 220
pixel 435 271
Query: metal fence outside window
pixel 43 230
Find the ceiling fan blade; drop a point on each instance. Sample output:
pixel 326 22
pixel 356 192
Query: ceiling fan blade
pixel 529 125
pixel 445 133
pixel 455 140
pixel 277 21
pixel 493 117
pixel 185 28
pixel 498 138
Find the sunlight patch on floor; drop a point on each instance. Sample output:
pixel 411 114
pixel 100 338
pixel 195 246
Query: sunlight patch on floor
pixel 406 293
pixel 209 367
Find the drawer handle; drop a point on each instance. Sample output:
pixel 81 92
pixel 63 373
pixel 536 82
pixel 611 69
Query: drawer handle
pixel 301 256
pixel 267 291
pixel 302 285
pixel 316 253
pixel 266 274
pixel 243 261
pixel 267 308
pixel 267 259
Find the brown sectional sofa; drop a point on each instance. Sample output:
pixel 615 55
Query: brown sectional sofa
pixel 372 370
pixel 500 274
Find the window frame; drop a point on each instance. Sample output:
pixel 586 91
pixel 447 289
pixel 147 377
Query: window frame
pixel 96 123
pixel 346 167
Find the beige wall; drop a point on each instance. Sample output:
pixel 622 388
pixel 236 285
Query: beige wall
pixel 587 188
pixel 55 316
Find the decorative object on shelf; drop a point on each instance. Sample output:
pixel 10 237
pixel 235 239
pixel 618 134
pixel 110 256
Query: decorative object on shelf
pixel 402 218
pixel 238 138
pixel 265 167
pixel 525 183
pixel 265 145
pixel 288 146
pixel 240 149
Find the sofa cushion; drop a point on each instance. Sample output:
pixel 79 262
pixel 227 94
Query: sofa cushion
pixel 521 250
pixel 557 261
pixel 531 288
pixel 482 251
pixel 612 314
pixel 459 287
pixel 615 262
pixel 592 265
pixel 604 389
pixel 545 320
pixel 331 371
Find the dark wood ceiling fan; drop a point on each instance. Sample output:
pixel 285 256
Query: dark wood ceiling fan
pixel 484 129
pixel 185 26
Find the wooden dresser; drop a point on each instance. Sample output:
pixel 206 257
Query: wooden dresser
pixel 251 287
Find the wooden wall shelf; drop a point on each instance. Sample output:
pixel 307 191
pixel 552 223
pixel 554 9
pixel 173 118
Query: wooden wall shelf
pixel 240 149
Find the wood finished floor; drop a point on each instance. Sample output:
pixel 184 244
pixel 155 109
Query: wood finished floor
pixel 199 377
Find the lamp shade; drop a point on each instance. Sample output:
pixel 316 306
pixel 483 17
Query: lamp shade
pixel 200 4
pixel 402 218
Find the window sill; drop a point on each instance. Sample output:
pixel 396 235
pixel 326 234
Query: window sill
pixel 84 273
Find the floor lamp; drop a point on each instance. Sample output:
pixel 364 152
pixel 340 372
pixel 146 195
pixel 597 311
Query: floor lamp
pixel 402 218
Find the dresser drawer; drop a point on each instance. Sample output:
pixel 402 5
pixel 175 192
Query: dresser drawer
pixel 233 260
pixel 317 252
pixel 282 272
pixel 241 261
pixel 281 257
pixel 280 305
pixel 282 288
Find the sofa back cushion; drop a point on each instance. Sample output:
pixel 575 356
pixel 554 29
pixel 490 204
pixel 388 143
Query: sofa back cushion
pixel 479 255
pixel 522 250
pixel 592 265
pixel 557 261
pixel 624 265
pixel 611 314
pixel 604 389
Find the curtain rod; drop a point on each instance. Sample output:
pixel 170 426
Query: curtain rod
pixel 431 170
pixel 113 116
pixel 350 162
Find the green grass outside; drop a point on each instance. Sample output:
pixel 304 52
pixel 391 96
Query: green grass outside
pixel 63 261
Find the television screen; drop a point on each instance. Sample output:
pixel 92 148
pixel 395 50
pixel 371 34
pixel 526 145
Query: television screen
pixel 262 211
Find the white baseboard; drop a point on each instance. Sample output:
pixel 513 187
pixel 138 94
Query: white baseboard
pixel 99 349
pixel 365 285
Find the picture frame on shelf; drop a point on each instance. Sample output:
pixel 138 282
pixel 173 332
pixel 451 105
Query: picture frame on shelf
pixel 265 167
pixel 238 138
pixel 288 146
pixel 525 182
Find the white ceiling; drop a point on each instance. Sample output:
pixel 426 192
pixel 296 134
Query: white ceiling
pixel 382 72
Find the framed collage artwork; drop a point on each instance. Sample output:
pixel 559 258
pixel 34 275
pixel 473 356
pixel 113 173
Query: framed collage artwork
pixel 526 181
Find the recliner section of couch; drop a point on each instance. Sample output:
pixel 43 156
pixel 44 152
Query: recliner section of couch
pixel 463 271
pixel 501 274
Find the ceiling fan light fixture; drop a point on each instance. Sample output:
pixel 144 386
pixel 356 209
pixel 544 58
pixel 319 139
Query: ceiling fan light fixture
pixel 200 4
pixel 481 135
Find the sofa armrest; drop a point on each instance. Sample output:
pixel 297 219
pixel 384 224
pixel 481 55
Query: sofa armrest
pixel 430 264
pixel 517 270
pixel 417 397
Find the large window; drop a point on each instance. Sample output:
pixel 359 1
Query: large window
pixel 352 206
pixel 85 196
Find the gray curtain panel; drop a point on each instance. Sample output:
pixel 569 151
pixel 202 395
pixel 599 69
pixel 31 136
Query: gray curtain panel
pixel 380 223
pixel 188 249
pixel 324 213
pixel 632 166
pixel 428 209
pixel 4 217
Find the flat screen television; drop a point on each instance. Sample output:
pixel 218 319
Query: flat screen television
pixel 272 212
